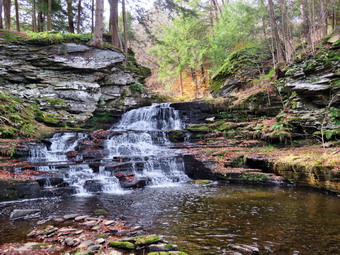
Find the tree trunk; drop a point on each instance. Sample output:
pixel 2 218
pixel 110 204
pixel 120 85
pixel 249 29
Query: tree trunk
pixel 125 33
pixel 92 17
pixel 306 21
pixel 1 6
pixel 97 39
pixel 181 82
pixel 323 17
pixel 275 33
pixel 70 16
pixel 114 23
pixel 7 14
pixel 49 16
pixel 194 78
pixel 41 21
pixel 78 18
pixel 34 16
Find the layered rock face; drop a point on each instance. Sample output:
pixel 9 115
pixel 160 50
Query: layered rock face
pixel 69 81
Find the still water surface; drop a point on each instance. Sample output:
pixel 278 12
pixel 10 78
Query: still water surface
pixel 204 220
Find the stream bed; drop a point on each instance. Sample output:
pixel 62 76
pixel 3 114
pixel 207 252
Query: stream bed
pixel 203 220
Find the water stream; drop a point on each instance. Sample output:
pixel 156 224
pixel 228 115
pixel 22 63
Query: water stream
pixel 141 143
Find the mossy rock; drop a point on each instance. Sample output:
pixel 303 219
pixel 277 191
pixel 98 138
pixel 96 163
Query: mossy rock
pixel 147 240
pixel 254 177
pixel 201 182
pixel 176 136
pixel 100 211
pixel 122 245
pixel 202 128
pixel 168 253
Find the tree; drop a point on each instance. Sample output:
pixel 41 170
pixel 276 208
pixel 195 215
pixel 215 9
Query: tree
pixel 78 17
pixel 97 39
pixel 125 44
pixel 49 15
pixel 114 23
pixel 17 21
pixel 1 6
pixel 323 17
pixel 34 16
pixel 70 16
pixel 7 14
pixel 275 33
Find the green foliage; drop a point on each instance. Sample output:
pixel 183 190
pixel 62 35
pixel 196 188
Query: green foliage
pixel 45 38
pixel 254 177
pixel 237 26
pixel 137 87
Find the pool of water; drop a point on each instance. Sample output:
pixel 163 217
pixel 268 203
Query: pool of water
pixel 204 220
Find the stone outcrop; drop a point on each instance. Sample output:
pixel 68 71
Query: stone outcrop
pixel 70 82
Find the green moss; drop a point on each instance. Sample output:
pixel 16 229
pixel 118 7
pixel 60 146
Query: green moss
pixel 176 136
pixel 122 245
pixel 100 211
pixel 101 236
pixel 201 182
pixel 146 240
pixel 137 87
pixel 40 246
pixel 45 38
pixel 253 177
pixel 239 60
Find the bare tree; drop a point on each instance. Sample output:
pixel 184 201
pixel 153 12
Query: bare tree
pixel 7 14
pixel 92 16
pixel 97 39
pixel 306 21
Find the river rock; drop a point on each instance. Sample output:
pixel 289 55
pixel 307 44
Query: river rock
pixel 93 186
pixel 244 248
pixel 163 247
pixel 100 240
pixel 132 181
pixel 72 242
pixel 94 247
pixel 24 213
pixel 70 216
pixel 109 222
pixel 80 218
pixel 86 244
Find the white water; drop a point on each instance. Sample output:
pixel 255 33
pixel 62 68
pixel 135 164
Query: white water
pixel 142 143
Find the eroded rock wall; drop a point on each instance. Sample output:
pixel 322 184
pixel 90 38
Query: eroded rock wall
pixel 69 81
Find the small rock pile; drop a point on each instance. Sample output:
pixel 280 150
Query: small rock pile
pixel 86 235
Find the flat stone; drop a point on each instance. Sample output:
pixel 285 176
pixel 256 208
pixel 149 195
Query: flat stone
pixel 24 213
pixel 109 222
pixel 80 218
pixel 72 242
pixel 86 244
pixel 90 223
pixel 115 253
pixel 244 248
pixel 95 228
pixel 70 216
pixel 100 240
pixel 94 247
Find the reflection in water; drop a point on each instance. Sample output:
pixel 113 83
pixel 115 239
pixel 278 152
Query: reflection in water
pixel 204 220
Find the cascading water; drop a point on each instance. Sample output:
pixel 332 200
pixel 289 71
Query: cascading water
pixel 137 149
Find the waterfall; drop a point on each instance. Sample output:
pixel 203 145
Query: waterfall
pixel 138 150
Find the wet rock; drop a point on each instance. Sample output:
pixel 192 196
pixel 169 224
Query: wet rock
pixel 163 247
pixel 18 189
pixel 70 216
pixel 24 213
pixel 90 223
pixel 131 181
pixel 53 181
pixel 244 248
pixel 93 186
pixel 146 240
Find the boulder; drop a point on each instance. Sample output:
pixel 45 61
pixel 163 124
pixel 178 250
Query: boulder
pixel 93 186
pixel 128 181
pixel 24 213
